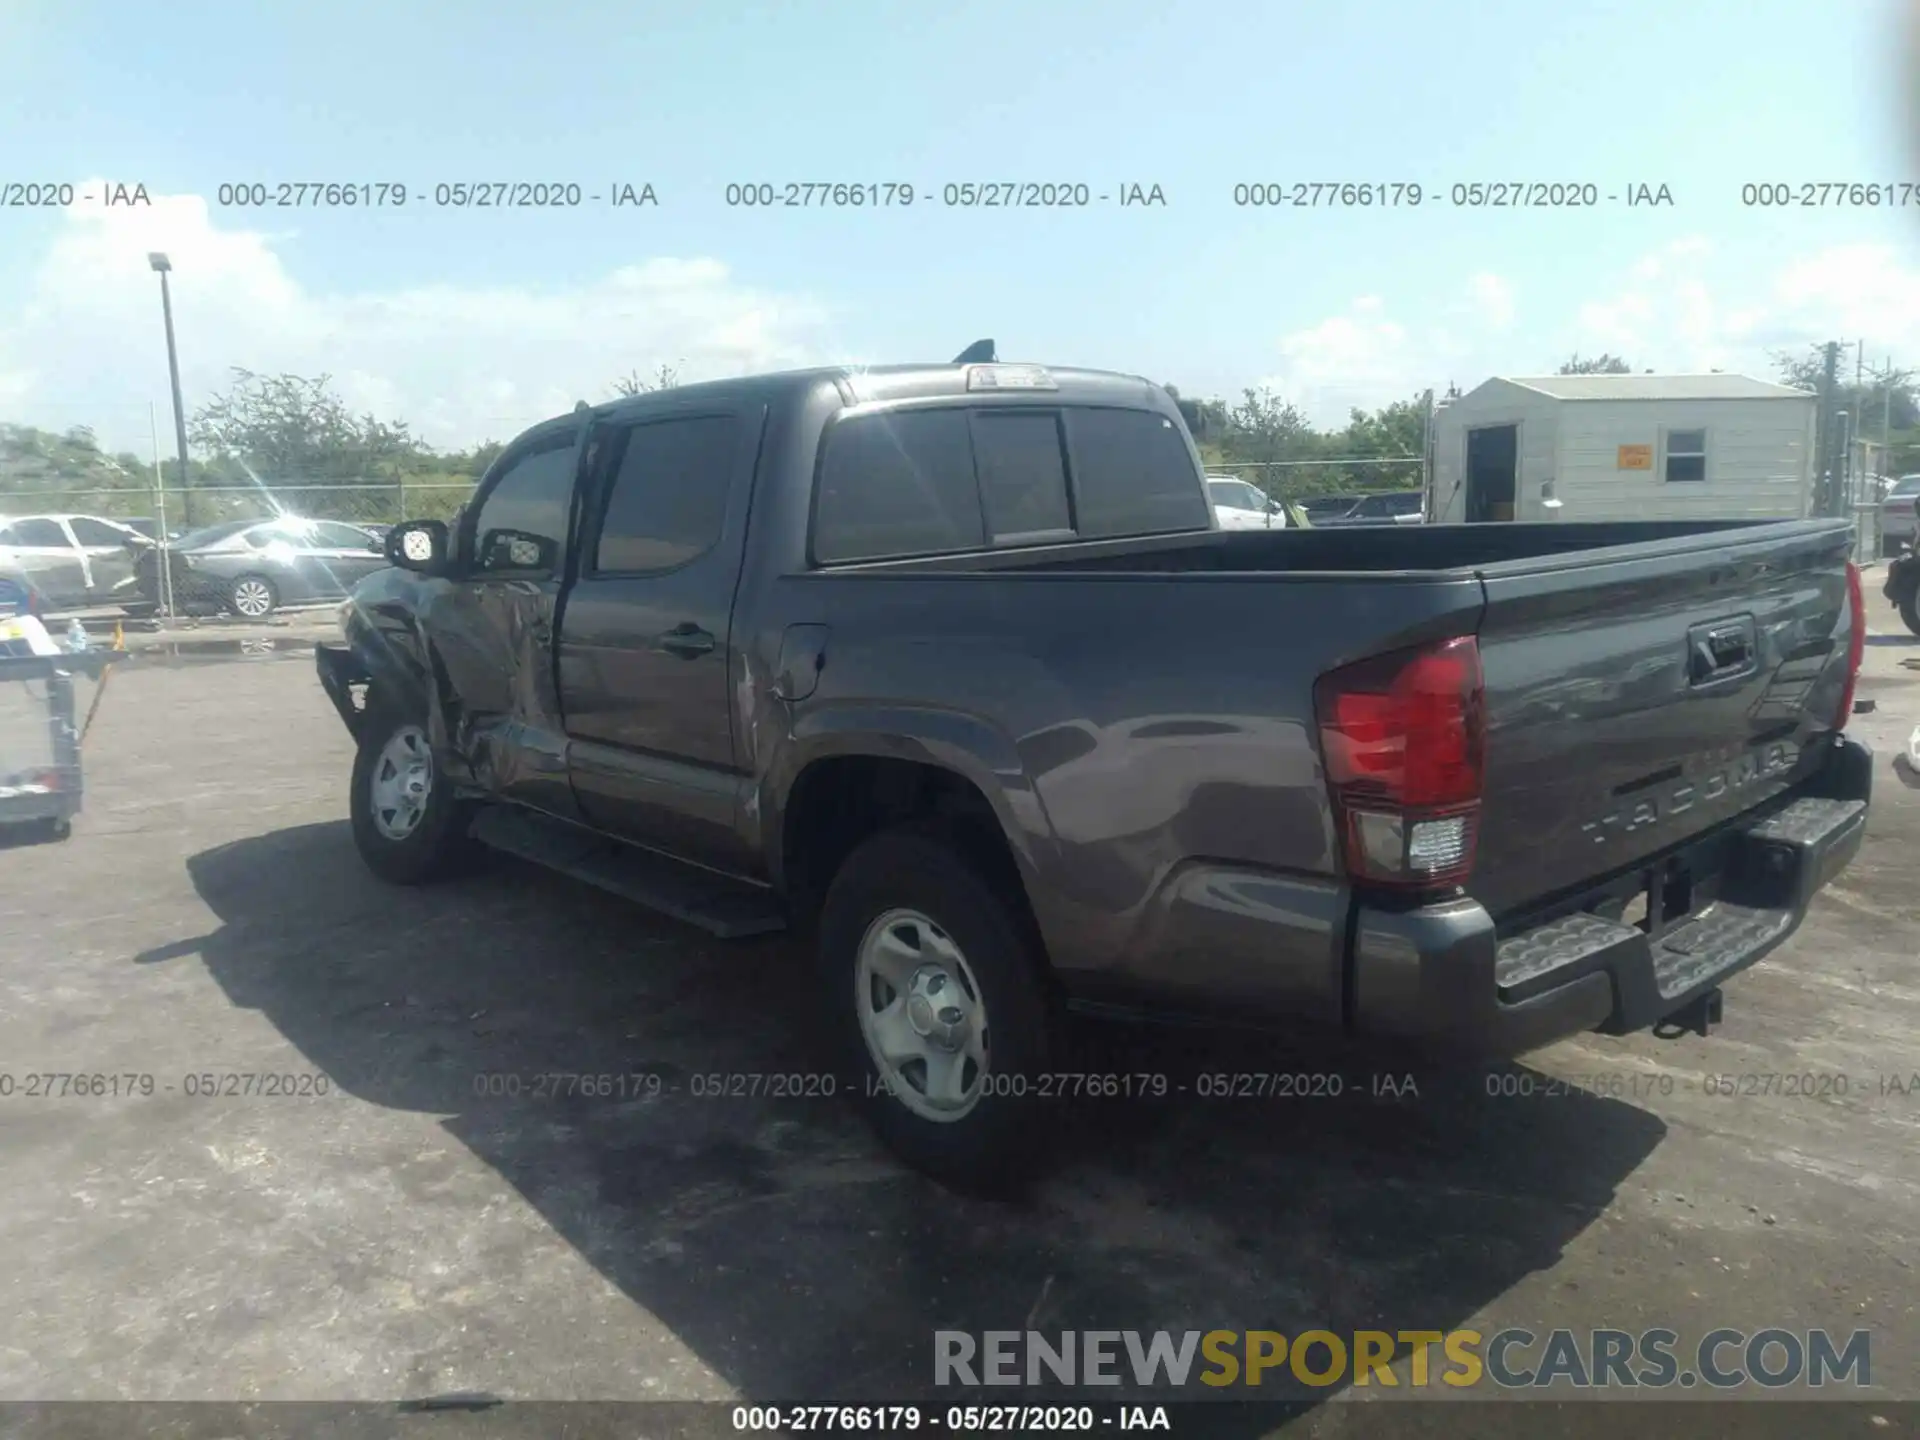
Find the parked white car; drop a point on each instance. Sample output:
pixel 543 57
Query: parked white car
pixel 74 560
pixel 1240 505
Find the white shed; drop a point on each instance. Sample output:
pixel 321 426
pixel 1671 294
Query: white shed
pixel 1620 447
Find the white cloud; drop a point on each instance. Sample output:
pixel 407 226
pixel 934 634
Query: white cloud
pixel 1363 359
pixel 1494 296
pixel 459 363
pixel 1671 310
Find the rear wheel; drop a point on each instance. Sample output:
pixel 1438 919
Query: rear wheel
pixel 47 830
pixel 932 981
pixel 252 597
pixel 408 825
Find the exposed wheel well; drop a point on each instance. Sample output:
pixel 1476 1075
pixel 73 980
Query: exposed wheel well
pixel 838 802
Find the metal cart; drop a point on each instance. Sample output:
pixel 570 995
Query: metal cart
pixel 39 800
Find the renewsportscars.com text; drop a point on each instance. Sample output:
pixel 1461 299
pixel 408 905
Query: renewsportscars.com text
pixel 1513 1358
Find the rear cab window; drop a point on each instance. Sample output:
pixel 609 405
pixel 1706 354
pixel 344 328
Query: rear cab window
pixel 933 481
pixel 668 501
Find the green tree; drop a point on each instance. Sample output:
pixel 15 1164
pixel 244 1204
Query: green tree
pixel 1806 370
pixel 1264 428
pixel 1399 429
pixel 271 437
pixel 634 383
pixel 1602 364
pixel 289 428
pixel 45 470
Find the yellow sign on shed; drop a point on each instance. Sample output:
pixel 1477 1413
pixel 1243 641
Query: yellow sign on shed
pixel 1635 457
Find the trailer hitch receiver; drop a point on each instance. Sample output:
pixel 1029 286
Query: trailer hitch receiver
pixel 1697 1017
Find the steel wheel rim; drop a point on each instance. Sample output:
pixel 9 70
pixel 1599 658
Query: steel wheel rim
pixel 252 598
pixel 402 783
pixel 922 1016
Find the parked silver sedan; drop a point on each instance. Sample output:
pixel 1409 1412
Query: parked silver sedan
pixel 253 567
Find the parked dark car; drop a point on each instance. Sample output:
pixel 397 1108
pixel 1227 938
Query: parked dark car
pixel 1897 511
pixel 76 560
pixel 1322 508
pixel 253 567
pixel 1387 507
pixel 948 669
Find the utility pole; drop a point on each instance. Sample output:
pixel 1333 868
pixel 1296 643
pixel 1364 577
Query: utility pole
pixel 159 263
pixel 1824 481
pixel 162 566
pixel 1886 410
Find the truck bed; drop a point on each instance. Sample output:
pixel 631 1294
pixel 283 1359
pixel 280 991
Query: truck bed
pixel 1607 744
pixel 1368 549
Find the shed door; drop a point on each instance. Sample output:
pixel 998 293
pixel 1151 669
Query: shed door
pixel 1493 460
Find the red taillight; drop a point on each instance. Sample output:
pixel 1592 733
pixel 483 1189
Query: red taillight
pixel 1404 740
pixel 1856 645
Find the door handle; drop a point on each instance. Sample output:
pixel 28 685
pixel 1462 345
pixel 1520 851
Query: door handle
pixel 687 641
pixel 1721 650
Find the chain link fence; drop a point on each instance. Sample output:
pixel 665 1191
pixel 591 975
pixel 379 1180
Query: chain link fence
pixel 1300 480
pixel 175 511
pixel 386 502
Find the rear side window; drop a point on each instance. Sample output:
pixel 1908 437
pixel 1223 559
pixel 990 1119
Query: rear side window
pixel 1023 479
pixel 1133 474
pixel 897 484
pixel 669 497
pixel 38 532
pixel 89 531
pixel 336 535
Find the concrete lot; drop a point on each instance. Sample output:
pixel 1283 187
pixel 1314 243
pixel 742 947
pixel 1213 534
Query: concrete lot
pixel 403 1235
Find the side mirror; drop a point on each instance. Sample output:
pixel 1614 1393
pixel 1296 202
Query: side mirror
pixel 418 545
pixel 516 550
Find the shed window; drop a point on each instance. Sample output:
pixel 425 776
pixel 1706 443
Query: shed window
pixel 1686 455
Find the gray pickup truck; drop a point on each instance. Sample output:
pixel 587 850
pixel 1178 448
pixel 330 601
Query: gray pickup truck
pixel 946 669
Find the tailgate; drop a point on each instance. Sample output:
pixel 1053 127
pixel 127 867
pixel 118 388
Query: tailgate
pixel 1639 695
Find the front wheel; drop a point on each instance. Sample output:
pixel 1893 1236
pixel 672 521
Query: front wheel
pixel 252 597
pixel 408 826
pixel 933 986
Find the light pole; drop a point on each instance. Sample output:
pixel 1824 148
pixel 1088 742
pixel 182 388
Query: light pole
pixel 161 265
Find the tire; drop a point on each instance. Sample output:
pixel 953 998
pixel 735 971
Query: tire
pixel 406 843
pixel 253 597
pixel 48 830
pixel 918 886
pixel 1910 611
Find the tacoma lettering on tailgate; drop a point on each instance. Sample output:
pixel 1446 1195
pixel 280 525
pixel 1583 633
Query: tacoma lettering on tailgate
pixel 1658 806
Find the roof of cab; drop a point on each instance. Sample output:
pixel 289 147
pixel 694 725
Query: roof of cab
pixel 864 384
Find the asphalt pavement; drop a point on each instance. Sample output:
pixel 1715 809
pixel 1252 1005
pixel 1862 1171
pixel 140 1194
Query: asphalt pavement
pixel 349 1181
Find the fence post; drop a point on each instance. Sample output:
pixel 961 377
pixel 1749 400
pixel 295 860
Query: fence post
pixel 402 482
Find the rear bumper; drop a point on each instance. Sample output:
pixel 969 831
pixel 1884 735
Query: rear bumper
pixel 1446 974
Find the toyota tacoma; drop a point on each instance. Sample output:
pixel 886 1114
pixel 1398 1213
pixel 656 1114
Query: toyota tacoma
pixel 948 670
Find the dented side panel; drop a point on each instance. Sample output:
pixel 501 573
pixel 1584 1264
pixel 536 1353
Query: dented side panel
pixel 476 661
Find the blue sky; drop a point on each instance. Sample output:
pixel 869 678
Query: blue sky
pixel 470 321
